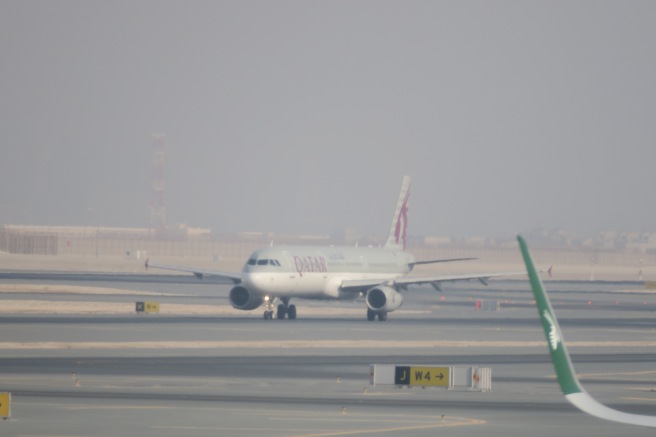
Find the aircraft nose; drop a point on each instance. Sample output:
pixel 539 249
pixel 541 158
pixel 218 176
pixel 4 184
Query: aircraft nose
pixel 254 281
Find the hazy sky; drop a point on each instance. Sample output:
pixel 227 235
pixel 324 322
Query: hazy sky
pixel 303 116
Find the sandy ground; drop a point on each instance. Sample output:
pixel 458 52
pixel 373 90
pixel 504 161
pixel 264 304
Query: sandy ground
pixel 121 264
pixel 74 289
pixel 72 263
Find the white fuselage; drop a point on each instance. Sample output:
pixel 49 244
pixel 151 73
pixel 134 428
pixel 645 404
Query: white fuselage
pixel 318 272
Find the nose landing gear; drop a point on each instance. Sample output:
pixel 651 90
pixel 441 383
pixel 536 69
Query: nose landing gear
pixel 371 316
pixel 284 309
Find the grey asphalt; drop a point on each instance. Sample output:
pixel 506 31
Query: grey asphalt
pixel 324 390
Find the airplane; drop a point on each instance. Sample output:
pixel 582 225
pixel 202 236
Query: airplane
pixel 569 383
pixel 280 273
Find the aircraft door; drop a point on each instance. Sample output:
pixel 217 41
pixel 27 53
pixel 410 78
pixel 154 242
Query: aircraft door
pixel 290 267
pixel 364 264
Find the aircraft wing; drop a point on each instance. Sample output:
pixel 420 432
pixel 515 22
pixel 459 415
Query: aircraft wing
pixel 443 260
pixel 435 281
pixel 199 273
pixel 569 382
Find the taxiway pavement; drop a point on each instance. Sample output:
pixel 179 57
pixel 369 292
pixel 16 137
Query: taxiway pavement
pixel 197 374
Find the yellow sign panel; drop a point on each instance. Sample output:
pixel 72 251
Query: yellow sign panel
pixel 650 285
pixel 5 403
pixel 151 307
pixel 435 376
pixel 422 376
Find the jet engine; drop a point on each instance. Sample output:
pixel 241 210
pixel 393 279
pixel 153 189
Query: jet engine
pixel 384 299
pixel 242 299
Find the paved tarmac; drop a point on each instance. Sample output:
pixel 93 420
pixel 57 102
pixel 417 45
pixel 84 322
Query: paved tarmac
pixel 239 375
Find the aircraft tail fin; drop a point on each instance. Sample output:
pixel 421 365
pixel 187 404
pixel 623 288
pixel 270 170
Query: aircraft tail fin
pixel 565 372
pixel 398 231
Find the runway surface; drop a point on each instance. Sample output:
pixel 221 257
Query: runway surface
pixel 233 373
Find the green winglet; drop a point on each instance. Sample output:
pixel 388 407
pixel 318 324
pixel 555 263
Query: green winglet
pixel 559 355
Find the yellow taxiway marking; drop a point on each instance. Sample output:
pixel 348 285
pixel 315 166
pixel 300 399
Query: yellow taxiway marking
pixel 61 406
pixel 639 399
pixel 118 407
pixel 308 344
pixel 448 422
pixel 640 372
pixel 393 429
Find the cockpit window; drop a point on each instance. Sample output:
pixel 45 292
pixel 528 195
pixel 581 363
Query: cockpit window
pixel 264 262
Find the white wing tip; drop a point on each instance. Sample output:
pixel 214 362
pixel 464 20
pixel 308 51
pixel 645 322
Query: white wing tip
pixel 586 403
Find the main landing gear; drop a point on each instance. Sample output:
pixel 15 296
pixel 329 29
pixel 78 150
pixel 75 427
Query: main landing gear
pixel 284 309
pixel 371 316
